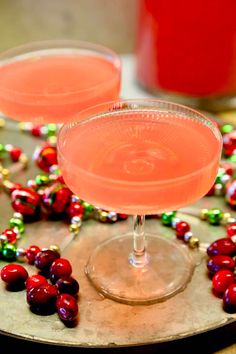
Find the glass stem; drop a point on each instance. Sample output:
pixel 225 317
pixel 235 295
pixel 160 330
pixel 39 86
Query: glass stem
pixel 138 257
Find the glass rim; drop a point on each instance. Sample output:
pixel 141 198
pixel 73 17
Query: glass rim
pixel 54 44
pixel 72 123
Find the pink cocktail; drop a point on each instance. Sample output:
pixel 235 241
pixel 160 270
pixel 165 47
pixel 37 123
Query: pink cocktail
pixel 140 157
pixel 51 81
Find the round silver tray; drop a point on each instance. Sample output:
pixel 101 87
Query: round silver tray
pixel 103 322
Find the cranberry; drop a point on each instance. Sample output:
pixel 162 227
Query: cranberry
pixel 181 228
pixel 60 267
pixel 224 246
pixel 229 299
pixel 219 262
pixel 67 285
pixel 34 281
pixel 31 253
pixel 42 298
pixel 14 275
pixel 44 259
pixel 221 280
pixel 67 308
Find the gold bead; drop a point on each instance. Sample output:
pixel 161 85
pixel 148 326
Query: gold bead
pixel 24 159
pixel 2 123
pixel 102 215
pixel 226 217
pixel 74 228
pixel 55 248
pixel 21 126
pixel 194 242
pixel 5 173
pixel 52 140
pixel 203 214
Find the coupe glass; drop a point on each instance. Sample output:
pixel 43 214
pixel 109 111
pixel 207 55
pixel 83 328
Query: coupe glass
pixel 50 81
pixel 140 157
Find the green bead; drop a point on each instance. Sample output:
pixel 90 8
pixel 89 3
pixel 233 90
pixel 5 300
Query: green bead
pixel 227 128
pixel 220 174
pixel 214 216
pixel 42 180
pixel 167 218
pixel 51 129
pixel 9 251
pixel 232 158
pixel 18 223
pixel 88 209
pixel 2 148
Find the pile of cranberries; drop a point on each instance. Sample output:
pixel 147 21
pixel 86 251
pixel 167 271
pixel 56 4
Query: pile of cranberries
pixel 52 289
pixel 221 267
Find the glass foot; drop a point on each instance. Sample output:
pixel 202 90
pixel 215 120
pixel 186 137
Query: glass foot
pixel 168 269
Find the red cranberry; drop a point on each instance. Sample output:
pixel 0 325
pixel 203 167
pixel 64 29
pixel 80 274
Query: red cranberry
pixel 14 275
pixel 67 285
pixel 221 280
pixel 60 267
pixel 219 262
pixel 34 281
pixel 44 259
pixel 229 299
pixel 223 246
pixel 67 307
pixel 31 253
pixel 181 228
pixel 42 299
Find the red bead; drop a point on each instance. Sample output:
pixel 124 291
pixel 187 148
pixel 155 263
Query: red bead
pixel 15 186
pixel 60 267
pixel 44 259
pixel 75 209
pixel 67 285
pixel 45 157
pixel 36 130
pixel 223 246
pixel 31 253
pixel 56 198
pixel 228 167
pixel 60 179
pixel 219 262
pixel 231 229
pixel 25 201
pixel 230 193
pixel 67 307
pixel 222 280
pixel 181 228
pixel 14 274
pixel 122 216
pixel 229 143
pixel 34 281
pixel 11 235
pixel 211 191
pixel 42 297
pixel 229 299
pixel 15 154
